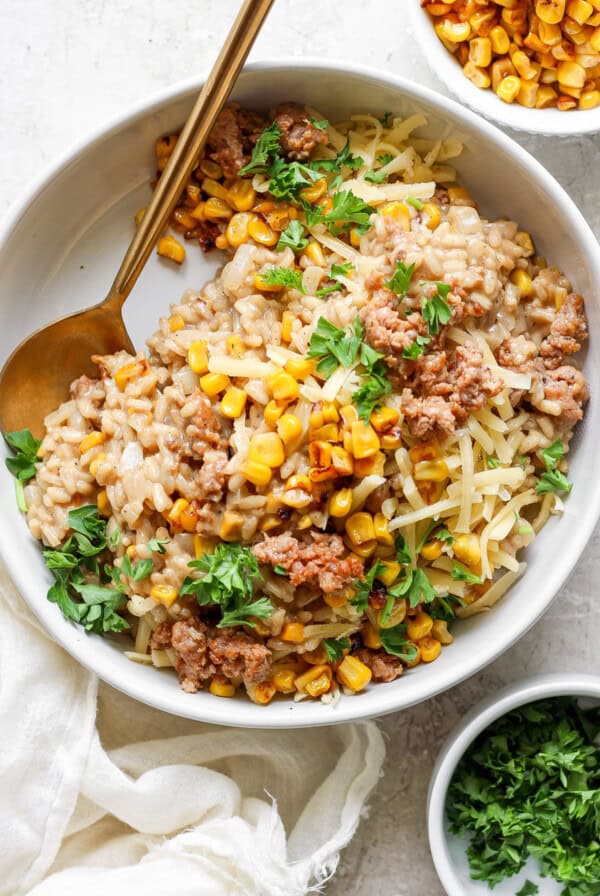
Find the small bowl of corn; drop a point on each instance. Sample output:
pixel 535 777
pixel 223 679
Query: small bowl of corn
pixel 531 65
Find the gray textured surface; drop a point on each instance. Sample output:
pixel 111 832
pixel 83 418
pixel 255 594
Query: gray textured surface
pixel 68 65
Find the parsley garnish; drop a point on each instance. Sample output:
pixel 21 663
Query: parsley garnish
pixel 401 278
pixel 228 581
pixel 363 587
pixel 417 348
pixel 462 574
pixel 334 648
pixel 416 203
pixel 373 388
pixel 385 158
pixel 293 236
pixel 284 277
pixel 23 464
pixel 416 588
pixel 386 118
pixel 267 147
pixel 528 889
pixel 337 270
pixel 445 607
pixel 530 785
pixel 279 570
pixel 319 125
pixel 335 347
pixel 403 555
pixel 492 462
pixel 395 642
pixel 375 177
pixel 344 159
pixel 288 178
pixel 441 534
pixel 553 480
pixel 436 311
pixel 158 545
pixel 347 211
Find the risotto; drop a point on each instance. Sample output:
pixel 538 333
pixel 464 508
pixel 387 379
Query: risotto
pixel 338 445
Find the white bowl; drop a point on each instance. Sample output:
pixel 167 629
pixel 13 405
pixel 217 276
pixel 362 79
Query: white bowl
pixel 449 851
pixel 63 241
pixel 547 122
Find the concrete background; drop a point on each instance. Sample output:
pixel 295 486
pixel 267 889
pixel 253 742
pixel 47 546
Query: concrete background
pixel 68 65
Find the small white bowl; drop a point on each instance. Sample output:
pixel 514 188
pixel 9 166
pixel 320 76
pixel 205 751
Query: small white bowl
pixel 449 851
pixel 547 122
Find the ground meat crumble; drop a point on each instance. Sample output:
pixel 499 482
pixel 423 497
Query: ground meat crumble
pixel 322 562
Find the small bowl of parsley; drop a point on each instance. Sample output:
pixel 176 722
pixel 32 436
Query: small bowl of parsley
pixel 514 800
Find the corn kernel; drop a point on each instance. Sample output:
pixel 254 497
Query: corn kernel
pixel 221 241
pixel 365 442
pixel 589 99
pixel 499 70
pixel 370 466
pixel 365 550
pixel 262 692
pixel 391 440
pixel 298 480
pixel 292 632
pixel 197 213
pixel 103 503
pixel 509 88
pixel 431 470
pixel 289 428
pixel 287 320
pixel 480 51
pixel 261 233
pixel 95 463
pixel 354 238
pixel 432 550
pixel 335 599
pixel 231 526
pixel 456 32
pixel 500 40
pixel 370 636
pixel 523 65
pixel 237 229
pixel 571 74
pixel 203 545
pixel 214 383
pixel 216 209
pixel 340 503
pixel 419 626
pixel 523 281
pixel 176 322
pixel 455 192
pixel 341 460
pixel 360 528
pixel 550 11
pixel 431 215
pixel 283 386
pixel 399 212
pixel 197 356
pixel 300 368
pixel 272 413
pixel 221 687
pixel 430 649
pixel 527 95
pixel 579 10
pixel 314 254
pixel 257 473
pixel 439 631
pixel 92 440
pixel 525 242
pixel 266 448
pixel 389 570
pixel 384 418
pixel 467 549
pixel 164 146
pixel 164 594
pixel 353 674
pixel 382 533
pixel 268 522
pixel 564 103
pixel 314 192
pixel 546 96
pixel 314 678
pixel 319 454
pixel 175 512
pixel 349 414
pixel 241 195
pixel 169 247
pixel 233 403
pixel 130 371
pixel 284 679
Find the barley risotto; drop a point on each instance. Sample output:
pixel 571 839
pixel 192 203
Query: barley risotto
pixel 337 446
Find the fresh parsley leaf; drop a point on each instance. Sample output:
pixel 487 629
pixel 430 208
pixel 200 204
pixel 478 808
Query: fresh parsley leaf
pixel 344 159
pixel 25 446
pixel 461 574
pixel 386 119
pixel 417 348
pixel 553 480
pixel 492 462
pixel 403 555
pixel 348 210
pixel 395 642
pixel 266 148
pixel 334 648
pixel 230 574
pixel 337 270
pixel 158 545
pixel 436 311
pixel 445 607
pixel 374 386
pixel 320 125
pixel 142 570
pixel 401 278
pixel 114 539
pixel 416 203
pixel 284 277
pixel 375 177
pixel 528 889
pixel 553 454
pixel 293 236
pixel 441 534
pixel 416 588
pixel 385 158
pixel 363 587
pixel 335 347
pixel 279 570
pixel 288 178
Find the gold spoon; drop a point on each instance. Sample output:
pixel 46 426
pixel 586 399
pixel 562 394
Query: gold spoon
pixel 37 376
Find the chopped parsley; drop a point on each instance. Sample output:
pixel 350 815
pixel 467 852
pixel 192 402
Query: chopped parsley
pixel 25 447
pixel 363 587
pixel 395 642
pixel 288 178
pixel 528 889
pixel 335 347
pixel 436 310
pixel 337 270
pixel 293 236
pixel 140 571
pixel 492 462
pixel 319 125
pixel 279 570
pixel 344 159
pixel 375 177
pixel 334 648
pixel 416 203
pixel 266 148
pixel 348 211
pixel 416 588
pixel 552 480
pixel 403 555
pixel 374 386
pixel 412 352
pixel 386 119
pixel 157 545
pixel 461 574
pixel 401 278
pixel 441 534
pixel 445 607
pixel 230 574
pixel 529 785
pixel 284 277
pixel 385 158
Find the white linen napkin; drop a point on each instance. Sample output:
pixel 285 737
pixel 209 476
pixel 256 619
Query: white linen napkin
pixel 128 799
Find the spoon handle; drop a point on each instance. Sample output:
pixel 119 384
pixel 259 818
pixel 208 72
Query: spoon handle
pixel 189 144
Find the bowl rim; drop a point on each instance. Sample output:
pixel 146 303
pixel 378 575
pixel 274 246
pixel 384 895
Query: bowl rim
pixel 543 122
pixel 379 701
pixel 480 717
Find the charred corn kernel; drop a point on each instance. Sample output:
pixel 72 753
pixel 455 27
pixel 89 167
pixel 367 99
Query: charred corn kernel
pixel 272 413
pixel 370 466
pixel 126 373
pixel 509 88
pixel 432 550
pixel 169 247
pixel 216 209
pixel 292 632
pixel 382 533
pixel 164 594
pixel 314 254
pixel 478 76
pixel 340 503
pixel 550 11
pixel 365 550
pixel 467 549
pixel 533 42
pixel 241 195
pixel 176 322
pixel 499 70
pixel 266 448
pixel 349 414
pixel 365 441
pixel 175 512
pixel 500 40
pixel 234 345
pixel 523 281
pixel 299 480
pixel 283 386
pixel 188 520
pixel 314 192
pixel 370 636
pixel 319 685
pixel 571 74
pixel 262 692
pixel 300 368
pixel 233 403
pixel 384 418
pixel 480 51
pixel 139 216
pixel 261 233
pixel 214 383
pixel 329 432
pixel 430 649
pixel 589 99
pixel 431 215
pixel 284 678
pixel 527 95
pixel 203 545
pixel 210 169
pixel 360 528
pixel 220 687
pixel 419 626
pixel 237 229
pixel 103 503
pixel 183 220
pixel 579 10
pixel 197 356
pixel 439 631
pixel 395 617
pixel 95 463
pixel 391 440
pixel 431 470
pixel 353 674
pixel 312 674
pixel 564 103
pixel 287 320
pixel 399 212
pixel 481 22
pixel 424 451
pixel 231 526
pixel 92 440
pixel 256 473
pixel 341 460
pixel 389 570
pixel 289 428
pixel 336 599
pixel 319 454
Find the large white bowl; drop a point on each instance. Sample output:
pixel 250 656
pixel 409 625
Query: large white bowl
pixel 62 242
pixel 449 851
pixel 548 122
